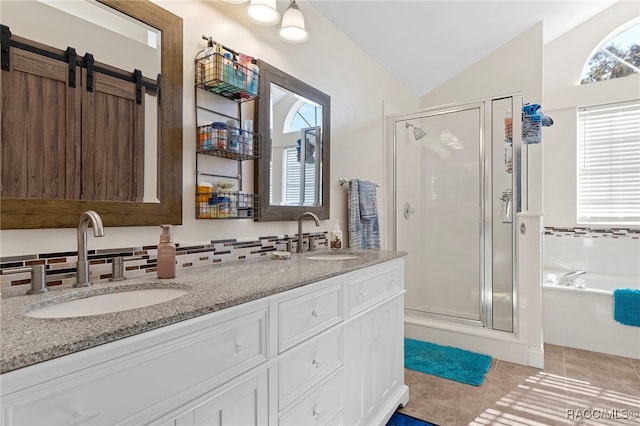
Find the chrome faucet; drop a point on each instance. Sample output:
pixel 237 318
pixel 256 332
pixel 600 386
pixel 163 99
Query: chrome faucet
pixel 300 220
pixel 569 277
pixel 82 267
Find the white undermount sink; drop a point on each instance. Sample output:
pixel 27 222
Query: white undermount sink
pixel 333 257
pixel 107 303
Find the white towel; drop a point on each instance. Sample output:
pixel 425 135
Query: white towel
pixel 364 230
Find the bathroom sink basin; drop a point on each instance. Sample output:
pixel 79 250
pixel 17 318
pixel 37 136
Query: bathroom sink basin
pixel 333 257
pixel 107 303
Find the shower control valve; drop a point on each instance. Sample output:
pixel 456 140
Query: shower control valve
pixel 408 210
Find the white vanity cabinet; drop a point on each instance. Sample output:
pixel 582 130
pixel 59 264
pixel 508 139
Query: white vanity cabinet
pixel 327 353
pixel 138 379
pixel 374 345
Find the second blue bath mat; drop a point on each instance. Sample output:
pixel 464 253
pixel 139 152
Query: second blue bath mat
pixel 626 306
pixel 446 362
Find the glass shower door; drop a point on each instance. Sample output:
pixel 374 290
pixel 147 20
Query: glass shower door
pixel 439 180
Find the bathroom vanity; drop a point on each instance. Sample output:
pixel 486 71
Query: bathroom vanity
pixel 266 342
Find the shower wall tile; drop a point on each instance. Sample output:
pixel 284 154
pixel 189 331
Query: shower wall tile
pixel 139 261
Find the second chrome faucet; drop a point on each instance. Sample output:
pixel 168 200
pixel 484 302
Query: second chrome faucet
pixel 82 269
pixel 300 220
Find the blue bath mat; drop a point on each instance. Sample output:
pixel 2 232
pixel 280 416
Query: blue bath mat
pixel 626 306
pixel 446 362
pixel 401 419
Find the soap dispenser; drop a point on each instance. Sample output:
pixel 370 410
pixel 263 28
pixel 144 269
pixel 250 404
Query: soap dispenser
pixel 335 240
pixel 205 67
pixel 166 254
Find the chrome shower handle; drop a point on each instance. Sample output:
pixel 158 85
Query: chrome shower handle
pixel 408 210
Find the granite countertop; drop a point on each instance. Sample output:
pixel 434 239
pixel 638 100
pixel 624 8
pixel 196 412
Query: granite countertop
pixel 27 341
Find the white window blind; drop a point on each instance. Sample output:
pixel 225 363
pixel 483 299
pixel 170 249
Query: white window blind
pixel 292 179
pixel 609 164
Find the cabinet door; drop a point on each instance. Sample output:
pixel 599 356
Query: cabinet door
pixel 388 349
pixel 40 128
pixel 374 362
pixel 113 140
pixel 359 369
pixel 244 404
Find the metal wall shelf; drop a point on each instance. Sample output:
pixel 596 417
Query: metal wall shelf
pixel 225 77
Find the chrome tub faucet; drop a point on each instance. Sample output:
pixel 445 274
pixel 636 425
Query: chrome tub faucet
pixel 568 278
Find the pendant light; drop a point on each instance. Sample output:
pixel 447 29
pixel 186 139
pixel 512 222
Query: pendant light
pixel 263 12
pixel 293 30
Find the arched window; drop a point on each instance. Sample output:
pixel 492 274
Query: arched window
pixel 618 56
pixel 303 114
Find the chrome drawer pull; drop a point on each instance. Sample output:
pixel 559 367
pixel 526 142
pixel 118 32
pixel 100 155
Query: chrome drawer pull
pixel 316 363
pixel 240 348
pixel 316 413
pixel 317 314
pixel 364 293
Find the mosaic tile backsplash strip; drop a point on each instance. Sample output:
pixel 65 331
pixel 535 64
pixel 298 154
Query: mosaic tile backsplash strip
pixel 592 232
pixel 61 266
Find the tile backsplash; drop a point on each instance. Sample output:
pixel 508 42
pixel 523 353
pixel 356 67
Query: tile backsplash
pixel 610 251
pixel 61 266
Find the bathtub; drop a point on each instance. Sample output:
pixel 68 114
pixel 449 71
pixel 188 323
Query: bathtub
pixel 583 318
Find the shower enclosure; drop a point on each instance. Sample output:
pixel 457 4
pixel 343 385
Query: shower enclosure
pixel 458 184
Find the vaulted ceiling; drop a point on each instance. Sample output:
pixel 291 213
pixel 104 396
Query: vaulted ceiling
pixel 423 43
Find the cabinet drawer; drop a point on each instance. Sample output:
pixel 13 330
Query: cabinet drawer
pixel 319 408
pixel 304 367
pixel 244 403
pixel 308 315
pixel 122 389
pixel 367 290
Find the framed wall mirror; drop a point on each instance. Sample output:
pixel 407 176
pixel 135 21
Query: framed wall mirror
pixel 293 172
pixel 121 35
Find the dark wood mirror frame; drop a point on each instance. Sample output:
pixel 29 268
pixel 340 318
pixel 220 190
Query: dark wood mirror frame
pixel 269 74
pixel 36 213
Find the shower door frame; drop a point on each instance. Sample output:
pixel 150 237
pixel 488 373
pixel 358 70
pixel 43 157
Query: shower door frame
pixel 519 187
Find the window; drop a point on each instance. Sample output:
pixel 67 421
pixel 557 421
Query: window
pixel 617 57
pixel 609 164
pixel 292 180
pixel 303 114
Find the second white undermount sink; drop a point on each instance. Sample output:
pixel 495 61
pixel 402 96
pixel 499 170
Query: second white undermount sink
pixel 107 303
pixel 333 257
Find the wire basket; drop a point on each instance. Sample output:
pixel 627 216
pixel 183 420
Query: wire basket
pixel 227 205
pixel 224 76
pixel 220 140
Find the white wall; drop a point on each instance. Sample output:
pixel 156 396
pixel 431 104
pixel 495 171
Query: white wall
pixel 514 67
pixel 361 94
pixel 564 59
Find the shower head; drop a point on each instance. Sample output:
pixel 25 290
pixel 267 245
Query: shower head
pixel 418 133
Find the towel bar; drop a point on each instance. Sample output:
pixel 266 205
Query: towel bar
pixel 344 181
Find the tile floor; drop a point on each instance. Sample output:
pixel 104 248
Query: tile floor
pixel 576 387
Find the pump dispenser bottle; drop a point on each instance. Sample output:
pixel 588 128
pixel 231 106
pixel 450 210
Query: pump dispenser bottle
pixel 335 240
pixel 166 254
pixel 205 67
